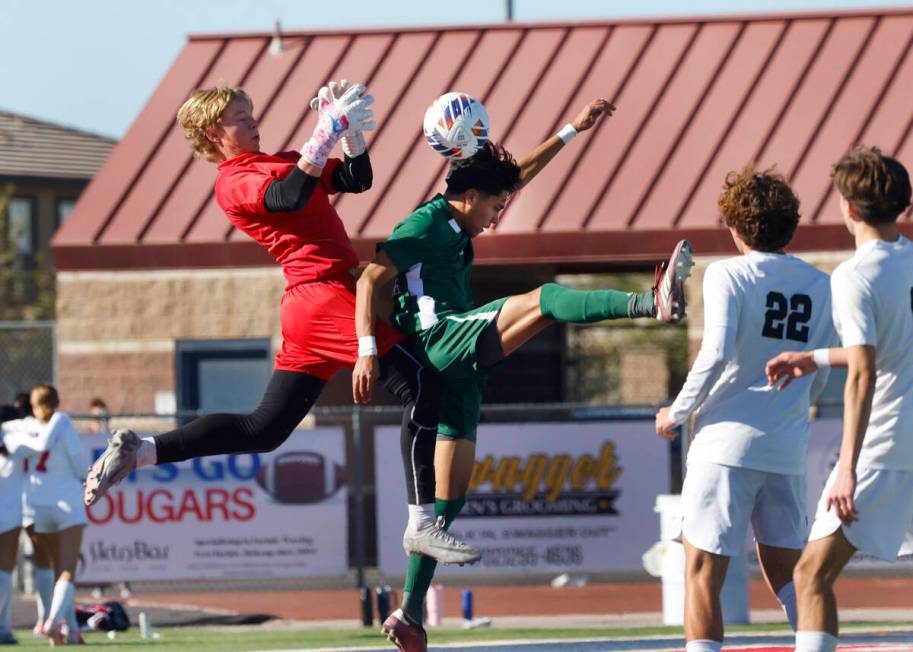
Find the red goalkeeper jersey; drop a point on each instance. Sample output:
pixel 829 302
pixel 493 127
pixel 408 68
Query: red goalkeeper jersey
pixel 311 244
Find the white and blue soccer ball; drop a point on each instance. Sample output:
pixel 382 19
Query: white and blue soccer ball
pixel 456 125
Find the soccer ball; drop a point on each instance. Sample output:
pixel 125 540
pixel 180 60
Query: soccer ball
pixel 456 125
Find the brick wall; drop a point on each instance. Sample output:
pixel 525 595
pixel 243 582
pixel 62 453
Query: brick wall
pixel 116 330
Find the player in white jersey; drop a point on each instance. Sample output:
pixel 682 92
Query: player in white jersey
pixel 11 479
pixel 56 470
pixel 867 503
pixel 747 459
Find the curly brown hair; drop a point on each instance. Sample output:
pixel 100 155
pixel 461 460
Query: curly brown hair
pixel 877 186
pixel 761 207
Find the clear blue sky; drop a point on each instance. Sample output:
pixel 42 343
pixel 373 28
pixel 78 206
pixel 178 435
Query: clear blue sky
pixel 92 64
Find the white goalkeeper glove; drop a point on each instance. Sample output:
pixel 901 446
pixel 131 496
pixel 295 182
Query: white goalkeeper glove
pixel 336 117
pixel 352 141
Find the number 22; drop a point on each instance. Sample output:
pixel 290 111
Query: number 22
pixel 797 311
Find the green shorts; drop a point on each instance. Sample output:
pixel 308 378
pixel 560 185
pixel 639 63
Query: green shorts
pixel 449 347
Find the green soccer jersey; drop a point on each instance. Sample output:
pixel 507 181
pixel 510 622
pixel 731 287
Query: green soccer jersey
pixel 434 257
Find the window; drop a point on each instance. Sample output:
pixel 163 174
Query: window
pixel 21 232
pixel 222 375
pixel 64 208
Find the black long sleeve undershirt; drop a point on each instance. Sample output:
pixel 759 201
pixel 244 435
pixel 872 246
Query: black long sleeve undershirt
pixel 294 191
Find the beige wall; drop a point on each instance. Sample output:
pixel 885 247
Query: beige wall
pixel 116 330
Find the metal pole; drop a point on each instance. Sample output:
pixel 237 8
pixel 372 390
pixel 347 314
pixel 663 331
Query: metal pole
pixel 509 10
pixel 358 452
pixel 55 363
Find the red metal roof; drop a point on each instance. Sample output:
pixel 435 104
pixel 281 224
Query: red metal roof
pixel 696 98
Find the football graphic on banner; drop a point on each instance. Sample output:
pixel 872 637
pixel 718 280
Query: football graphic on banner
pixel 301 477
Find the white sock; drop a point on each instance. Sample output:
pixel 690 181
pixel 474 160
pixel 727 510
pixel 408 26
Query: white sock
pixel 146 455
pixel 6 601
pixel 703 645
pixel 63 595
pixel 815 642
pixel 787 599
pixel 72 622
pixel 44 584
pixel 421 516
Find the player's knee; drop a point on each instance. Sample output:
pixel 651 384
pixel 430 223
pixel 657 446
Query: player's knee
pixel 274 439
pixel 808 576
pixel 544 296
pixel 705 569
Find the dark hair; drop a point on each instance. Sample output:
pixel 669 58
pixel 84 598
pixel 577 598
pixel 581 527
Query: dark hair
pixel 23 403
pixel 491 170
pixel 9 413
pixel 761 207
pixel 877 186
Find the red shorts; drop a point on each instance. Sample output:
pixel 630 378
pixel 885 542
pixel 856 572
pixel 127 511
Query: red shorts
pixel 318 328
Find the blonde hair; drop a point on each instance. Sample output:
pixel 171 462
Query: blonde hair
pixel 202 112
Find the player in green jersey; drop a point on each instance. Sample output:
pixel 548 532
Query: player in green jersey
pixel 430 254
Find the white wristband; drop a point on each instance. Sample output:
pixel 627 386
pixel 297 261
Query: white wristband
pixel 367 345
pixel 822 358
pixel 567 133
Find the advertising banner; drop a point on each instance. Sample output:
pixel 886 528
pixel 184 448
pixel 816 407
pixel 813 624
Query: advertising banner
pixel 257 515
pixel 544 497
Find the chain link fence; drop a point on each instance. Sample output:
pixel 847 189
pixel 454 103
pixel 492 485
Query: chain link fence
pixel 28 356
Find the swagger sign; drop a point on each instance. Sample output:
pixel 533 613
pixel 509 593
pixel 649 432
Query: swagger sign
pixel 544 497
pixel 259 515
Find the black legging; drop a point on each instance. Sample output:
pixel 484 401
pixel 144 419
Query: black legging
pixel 287 400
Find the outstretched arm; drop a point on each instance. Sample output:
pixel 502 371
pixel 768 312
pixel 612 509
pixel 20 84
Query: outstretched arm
pixel 721 319
pixel 378 273
pixel 30 436
pixel 857 407
pixel 535 161
pixel 790 365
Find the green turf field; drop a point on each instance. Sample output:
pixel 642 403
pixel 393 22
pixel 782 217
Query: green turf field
pixel 245 639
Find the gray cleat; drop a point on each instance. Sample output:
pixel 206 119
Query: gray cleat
pixel 670 283
pixel 115 464
pixel 435 542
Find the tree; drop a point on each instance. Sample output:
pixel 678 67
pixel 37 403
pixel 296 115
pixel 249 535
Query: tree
pixel 26 285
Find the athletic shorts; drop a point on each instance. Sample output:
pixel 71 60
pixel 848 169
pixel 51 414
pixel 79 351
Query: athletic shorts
pixel 719 501
pixel 318 328
pixel 449 347
pixel 884 502
pixel 60 516
pixel 10 511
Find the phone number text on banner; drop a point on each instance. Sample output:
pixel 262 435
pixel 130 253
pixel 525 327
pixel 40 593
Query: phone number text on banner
pixel 544 497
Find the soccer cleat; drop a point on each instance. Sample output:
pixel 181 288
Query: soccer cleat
pixel 669 284
pixel 118 461
pixel 7 638
pixel 436 542
pixel 55 634
pixel 405 633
